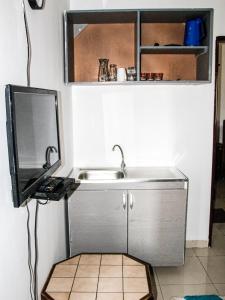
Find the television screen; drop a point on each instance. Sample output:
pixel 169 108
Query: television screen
pixel 33 138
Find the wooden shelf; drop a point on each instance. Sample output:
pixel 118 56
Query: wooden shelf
pixel 144 82
pixel 113 41
pixel 197 50
pixel 127 38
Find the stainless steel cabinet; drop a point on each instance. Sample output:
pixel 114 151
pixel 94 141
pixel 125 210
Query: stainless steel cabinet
pixel 98 222
pixel 148 224
pixel 156 226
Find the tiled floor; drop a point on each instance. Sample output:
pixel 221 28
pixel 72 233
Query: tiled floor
pixel 203 272
pixel 98 277
pixel 117 277
pixel 106 277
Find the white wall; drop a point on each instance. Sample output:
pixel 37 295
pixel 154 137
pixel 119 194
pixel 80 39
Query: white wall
pixel 156 124
pixel 46 72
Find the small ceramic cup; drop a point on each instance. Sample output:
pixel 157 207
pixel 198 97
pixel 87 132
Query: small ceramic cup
pixel 121 74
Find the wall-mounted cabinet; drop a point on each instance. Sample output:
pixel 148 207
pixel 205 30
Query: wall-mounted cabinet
pixel 150 40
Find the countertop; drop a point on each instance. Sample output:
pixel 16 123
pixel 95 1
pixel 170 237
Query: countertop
pixel 136 178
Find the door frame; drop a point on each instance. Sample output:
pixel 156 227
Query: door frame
pixel 219 40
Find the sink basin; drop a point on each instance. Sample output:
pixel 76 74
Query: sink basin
pixel 100 175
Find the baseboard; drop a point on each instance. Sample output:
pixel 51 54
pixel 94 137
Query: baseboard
pixel 197 244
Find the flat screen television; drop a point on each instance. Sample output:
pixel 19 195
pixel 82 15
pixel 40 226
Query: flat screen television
pixel 33 138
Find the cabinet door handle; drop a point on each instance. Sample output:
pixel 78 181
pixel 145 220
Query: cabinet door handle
pixel 131 200
pixel 124 200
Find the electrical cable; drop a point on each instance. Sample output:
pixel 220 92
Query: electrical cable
pixel 36 247
pixel 36 256
pixel 29 252
pixel 29 46
pixel 36 252
pixel 33 271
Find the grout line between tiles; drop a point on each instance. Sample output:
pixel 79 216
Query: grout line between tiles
pixel 122 279
pixel 96 296
pixel 107 277
pixel 193 251
pixel 216 289
pixel 207 273
pixel 74 277
pixel 108 265
pixel 155 272
pixel 183 284
pixel 99 293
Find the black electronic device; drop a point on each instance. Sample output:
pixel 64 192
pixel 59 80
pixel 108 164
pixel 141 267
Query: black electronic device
pixel 36 4
pixel 55 188
pixel 33 138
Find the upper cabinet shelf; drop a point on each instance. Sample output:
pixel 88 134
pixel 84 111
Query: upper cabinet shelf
pixel 197 50
pixel 137 38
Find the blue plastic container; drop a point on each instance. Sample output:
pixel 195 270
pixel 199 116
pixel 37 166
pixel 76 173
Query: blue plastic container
pixel 194 32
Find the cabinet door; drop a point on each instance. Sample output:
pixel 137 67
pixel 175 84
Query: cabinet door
pixel 156 226
pixel 98 221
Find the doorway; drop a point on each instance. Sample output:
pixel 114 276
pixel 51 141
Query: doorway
pixel 217 212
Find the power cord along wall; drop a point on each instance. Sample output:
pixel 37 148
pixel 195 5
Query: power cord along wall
pixel 32 270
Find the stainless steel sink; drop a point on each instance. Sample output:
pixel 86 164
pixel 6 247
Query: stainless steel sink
pixel 100 174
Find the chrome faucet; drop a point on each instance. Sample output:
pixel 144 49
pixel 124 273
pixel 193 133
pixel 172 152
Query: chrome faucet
pixel 123 165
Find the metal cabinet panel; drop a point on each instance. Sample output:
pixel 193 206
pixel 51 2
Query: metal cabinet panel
pixel 98 222
pixel 156 226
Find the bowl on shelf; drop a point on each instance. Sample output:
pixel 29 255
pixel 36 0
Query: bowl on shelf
pixel 157 76
pixel 151 76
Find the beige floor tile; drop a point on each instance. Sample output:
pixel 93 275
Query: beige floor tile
pixel 71 261
pixel 86 285
pixel 87 271
pixel 111 260
pixel 134 271
pixel 60 285
pixel 110 285
pixel 216 227
pixel 204 252
pixel 220 227
pixel 189 252
pixel 220 288
pixel 215 267
pixel 156 277
pixel 159 293
pixel 60 296
pixel 82 296
pixel 170 291
pixel 110 296
pixel 191 273
pixel 110 271
pixel 135 285
pixel 90 259
pixel 218 246
pixel 127 261
pixel 64 271
pixel 133 296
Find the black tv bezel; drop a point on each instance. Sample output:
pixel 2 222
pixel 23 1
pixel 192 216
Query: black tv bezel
pixel 19 198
